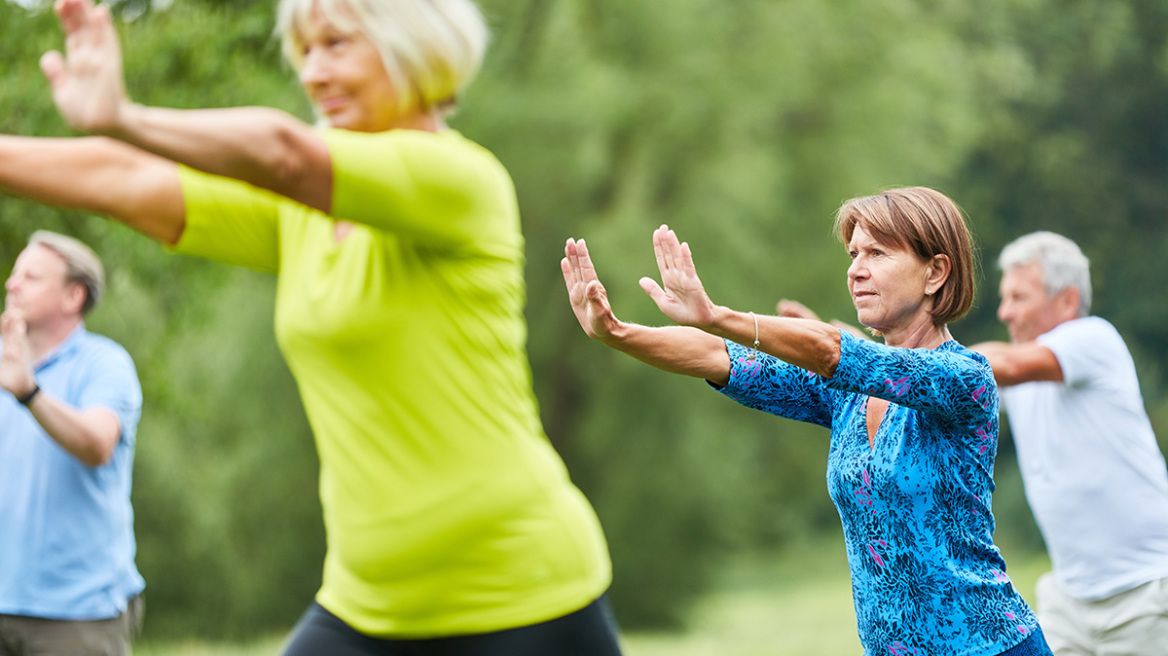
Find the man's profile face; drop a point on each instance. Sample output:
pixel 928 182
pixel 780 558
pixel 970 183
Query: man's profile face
pixel 1026 308
pixel 38 288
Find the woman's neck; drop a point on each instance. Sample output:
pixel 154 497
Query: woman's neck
pixel 431 121
pixel 920 335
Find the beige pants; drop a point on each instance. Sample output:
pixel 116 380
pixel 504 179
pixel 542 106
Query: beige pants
pixel 1132 623
pixel 32 636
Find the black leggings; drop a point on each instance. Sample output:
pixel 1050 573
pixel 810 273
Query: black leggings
pixel 590 631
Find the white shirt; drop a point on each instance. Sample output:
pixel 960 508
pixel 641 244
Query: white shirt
pixel 1093 473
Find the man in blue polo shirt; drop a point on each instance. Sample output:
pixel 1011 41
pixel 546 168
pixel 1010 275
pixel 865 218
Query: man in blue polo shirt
pixel 69 407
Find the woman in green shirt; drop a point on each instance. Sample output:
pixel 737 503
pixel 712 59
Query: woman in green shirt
pixel 453 527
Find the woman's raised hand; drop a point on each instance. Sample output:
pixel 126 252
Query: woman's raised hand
pixel 87 82
pixel 680 296
pixel 586 293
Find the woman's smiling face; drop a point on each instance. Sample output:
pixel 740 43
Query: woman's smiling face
pixel 344 75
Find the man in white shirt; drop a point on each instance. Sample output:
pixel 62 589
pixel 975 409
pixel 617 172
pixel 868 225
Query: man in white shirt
pixel 1094 476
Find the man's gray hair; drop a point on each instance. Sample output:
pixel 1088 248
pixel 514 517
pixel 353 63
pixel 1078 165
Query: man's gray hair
pixel 81 264
pixel 1063 264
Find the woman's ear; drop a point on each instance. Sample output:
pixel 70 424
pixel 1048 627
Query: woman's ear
pixel 938 272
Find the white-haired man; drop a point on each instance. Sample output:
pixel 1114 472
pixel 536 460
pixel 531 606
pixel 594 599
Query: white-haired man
pixel 1093 473
pixel 68 417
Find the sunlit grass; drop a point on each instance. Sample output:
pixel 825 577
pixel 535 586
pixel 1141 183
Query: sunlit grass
pixel 796 603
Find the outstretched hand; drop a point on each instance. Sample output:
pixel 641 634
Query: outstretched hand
pixel 16 375
pixel 794 309
pixel 87 82
pixel 680 296
pixel 587 295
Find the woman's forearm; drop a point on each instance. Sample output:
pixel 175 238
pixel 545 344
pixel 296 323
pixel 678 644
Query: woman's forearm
pixel 97 175
pixel 258 145
pixel 807 343
pixel 676 349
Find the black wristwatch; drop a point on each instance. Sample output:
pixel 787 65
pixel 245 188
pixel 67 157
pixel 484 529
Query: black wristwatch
pixel 27 398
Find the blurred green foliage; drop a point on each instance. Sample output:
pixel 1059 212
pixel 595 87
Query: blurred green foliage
pixel 741 124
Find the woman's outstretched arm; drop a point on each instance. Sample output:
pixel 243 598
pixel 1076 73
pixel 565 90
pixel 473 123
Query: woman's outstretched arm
pixel 812 345
pixel 262 146
pixel 97 175
pixel 675 349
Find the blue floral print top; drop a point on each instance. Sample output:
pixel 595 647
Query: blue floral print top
pixel 927 579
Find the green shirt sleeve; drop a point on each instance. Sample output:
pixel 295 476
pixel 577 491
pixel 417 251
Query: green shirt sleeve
pixel 437 189
pixel 229 221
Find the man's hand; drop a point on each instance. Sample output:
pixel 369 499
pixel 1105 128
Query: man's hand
pixel 795 310
pixel 16 374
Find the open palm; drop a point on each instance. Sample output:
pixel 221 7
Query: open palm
pixel 87 82
pixel 585 292
pixel 680 296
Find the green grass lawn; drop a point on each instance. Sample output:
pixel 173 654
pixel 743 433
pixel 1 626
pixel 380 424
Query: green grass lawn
pixel 797 603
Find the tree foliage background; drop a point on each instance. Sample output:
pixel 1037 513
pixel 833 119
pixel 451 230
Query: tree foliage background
pixel 741 124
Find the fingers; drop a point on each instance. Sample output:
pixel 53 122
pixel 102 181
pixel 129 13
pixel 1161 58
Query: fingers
pixel 665 246
pixel 795 309
pixel 12 327
pixel 566 268
pixel 597 297
pixel 575 253
pixel 651 288
pixel 81 22
pixel 672 253
pixel 571 264
pixel 585 269
pixel 53 66
pixel 71 13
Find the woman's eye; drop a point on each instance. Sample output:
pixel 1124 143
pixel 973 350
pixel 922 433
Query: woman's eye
pixel 336 40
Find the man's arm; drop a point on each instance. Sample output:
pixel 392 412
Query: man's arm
pixel 1014 364
pixel 89 435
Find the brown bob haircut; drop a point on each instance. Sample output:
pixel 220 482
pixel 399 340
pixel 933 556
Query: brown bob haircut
pixel 925 222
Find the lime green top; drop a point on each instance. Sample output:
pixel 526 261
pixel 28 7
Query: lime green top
pixel 446 508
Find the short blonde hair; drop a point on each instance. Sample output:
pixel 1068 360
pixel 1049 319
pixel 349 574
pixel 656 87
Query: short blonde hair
pixel 431 49
pixel 82 266
pixel 927 223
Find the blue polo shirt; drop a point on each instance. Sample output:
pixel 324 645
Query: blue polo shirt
pixel 67 530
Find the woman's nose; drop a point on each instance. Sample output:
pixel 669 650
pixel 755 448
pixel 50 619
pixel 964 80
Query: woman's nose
pixel 313 70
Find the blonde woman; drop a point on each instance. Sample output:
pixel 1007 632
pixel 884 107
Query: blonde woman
pixel 453 527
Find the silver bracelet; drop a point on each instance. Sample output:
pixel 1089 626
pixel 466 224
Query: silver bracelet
pixel 755 351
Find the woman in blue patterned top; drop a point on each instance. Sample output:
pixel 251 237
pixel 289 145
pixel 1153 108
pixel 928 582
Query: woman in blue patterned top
pixel 914 421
